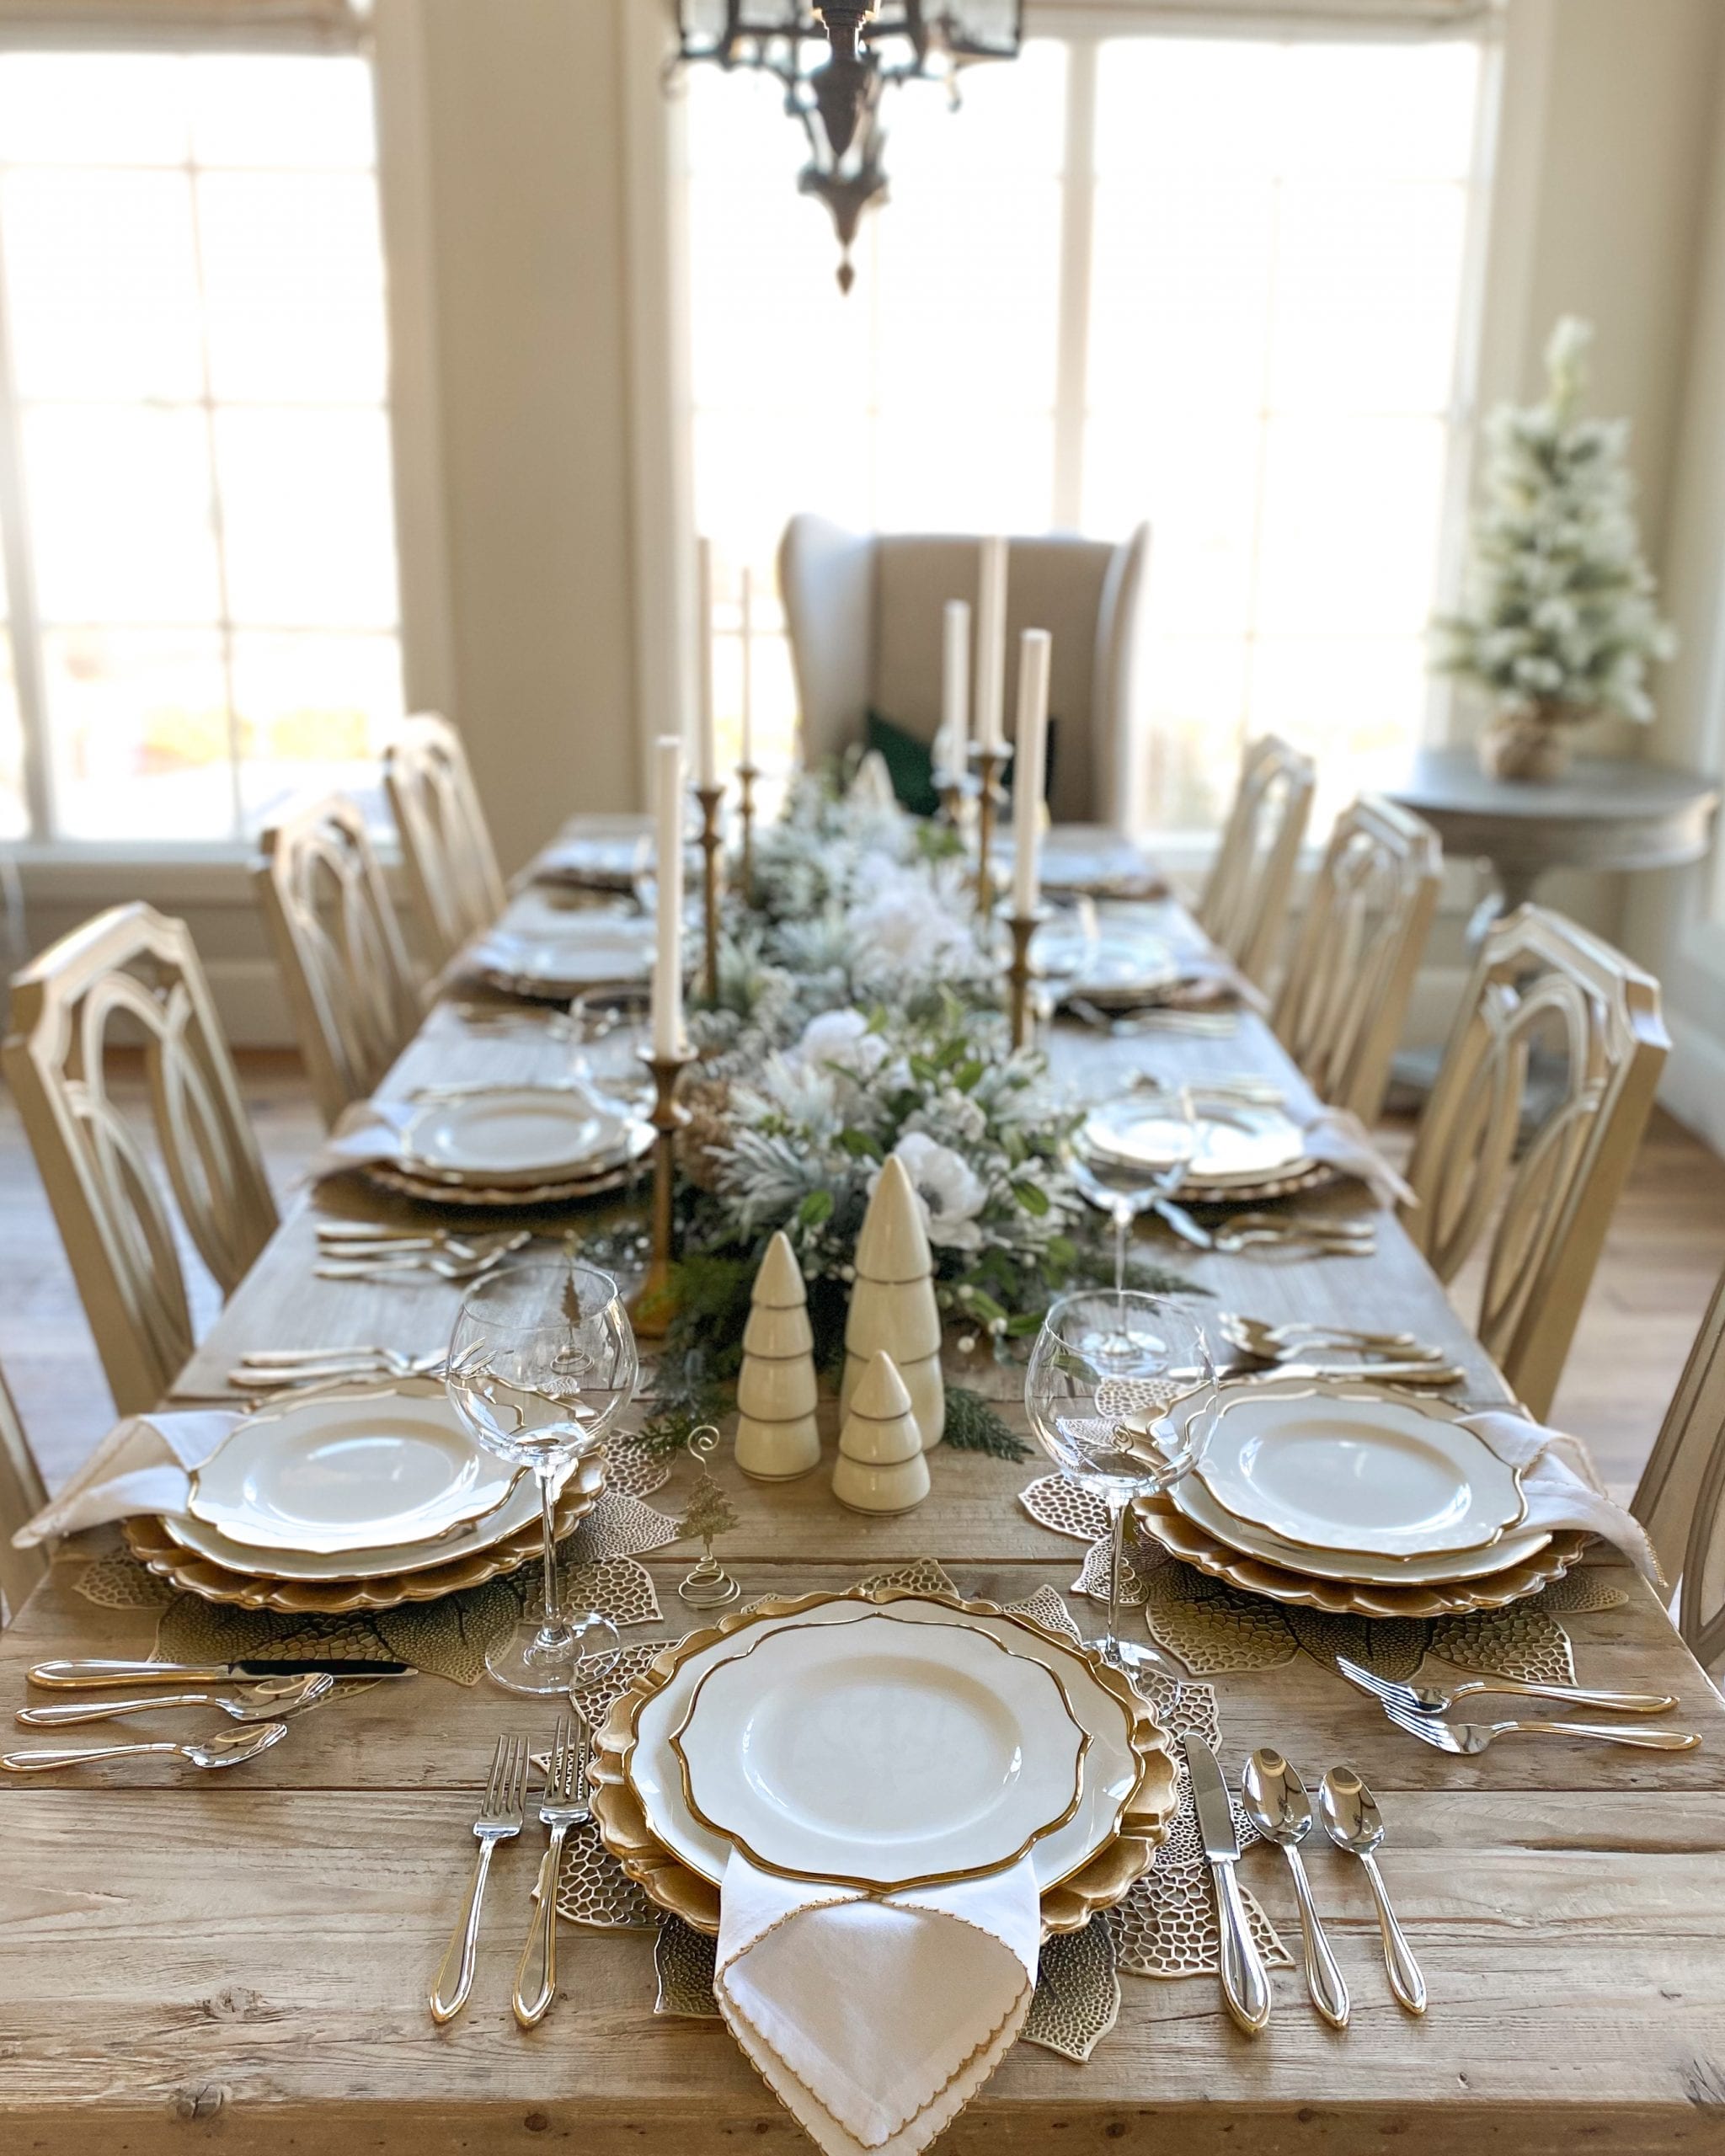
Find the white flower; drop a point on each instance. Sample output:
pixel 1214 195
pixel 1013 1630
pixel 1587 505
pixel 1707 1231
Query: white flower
pixel 949 1191
pixel 842 1039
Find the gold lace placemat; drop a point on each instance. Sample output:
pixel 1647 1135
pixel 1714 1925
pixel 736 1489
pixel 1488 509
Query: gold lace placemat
pixel 446 1638
pixel 1214 1628
pixel 1166 1925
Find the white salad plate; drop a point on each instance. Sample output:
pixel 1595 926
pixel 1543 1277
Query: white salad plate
pixel 514 1133
pixel 348 1472
pixel 1351 1467
pixel 1237 1141
pixel 1108 1774
pixel 880 1754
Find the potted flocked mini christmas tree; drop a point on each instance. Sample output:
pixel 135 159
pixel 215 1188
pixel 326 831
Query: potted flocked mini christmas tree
pixel 1558 623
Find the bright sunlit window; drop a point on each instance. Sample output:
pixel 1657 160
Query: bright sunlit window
pixel 200 528
pixel 1259 357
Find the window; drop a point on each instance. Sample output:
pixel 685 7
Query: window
pixel 1213 283
pixel 199 521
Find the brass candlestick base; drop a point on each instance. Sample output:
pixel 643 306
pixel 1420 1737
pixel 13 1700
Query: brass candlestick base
pixel 710 797
pixel 650 1305
pixel 1020 972
pixel 990 763
pixel 746 776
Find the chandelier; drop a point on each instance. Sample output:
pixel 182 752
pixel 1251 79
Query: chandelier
pixel 834 89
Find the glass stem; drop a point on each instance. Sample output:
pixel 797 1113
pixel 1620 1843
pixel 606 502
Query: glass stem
pixel 1117 1551
pixel 551 1631
pixel 1123 1228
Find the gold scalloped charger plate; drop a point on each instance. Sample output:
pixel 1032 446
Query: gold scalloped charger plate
pixel 1184 1539
pixel 405 1184
pixel 1145 1811
pixel 155 1548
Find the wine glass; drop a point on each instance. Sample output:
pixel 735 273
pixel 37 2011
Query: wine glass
pixel 1123 1186
pixel 541 1362
pixel 610 1029
pixel 1107 1366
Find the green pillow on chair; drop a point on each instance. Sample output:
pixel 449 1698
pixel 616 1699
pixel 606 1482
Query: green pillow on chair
pixel 909 764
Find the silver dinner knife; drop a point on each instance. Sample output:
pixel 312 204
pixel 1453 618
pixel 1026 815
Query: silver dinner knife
pixel 1246 1986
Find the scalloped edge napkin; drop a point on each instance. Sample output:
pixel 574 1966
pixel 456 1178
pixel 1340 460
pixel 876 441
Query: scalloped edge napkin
pixel 875 2019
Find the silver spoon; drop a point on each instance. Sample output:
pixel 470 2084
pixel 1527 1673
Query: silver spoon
pixel 1352 1822
pixel 267 1701
pixel 231 1750
pixel 1277 1805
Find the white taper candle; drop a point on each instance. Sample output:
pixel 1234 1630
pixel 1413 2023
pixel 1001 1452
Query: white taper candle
pixel 668 964
pixel 955 688
pixel 747 757
pixel 706 737
pixel 1029 767
pixel 991 644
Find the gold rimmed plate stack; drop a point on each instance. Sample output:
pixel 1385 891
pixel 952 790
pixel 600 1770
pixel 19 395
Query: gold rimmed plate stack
pixel 1351 1497
pixel 885 1739
pixel 1245 1151
pixel 514 1145
pixel 358 1498
pixel 549 959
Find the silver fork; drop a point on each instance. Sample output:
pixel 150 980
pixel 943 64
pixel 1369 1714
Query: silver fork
pixel 1468 1737
pixel 499 1820
pixel 1439 1699
pixel 564 1806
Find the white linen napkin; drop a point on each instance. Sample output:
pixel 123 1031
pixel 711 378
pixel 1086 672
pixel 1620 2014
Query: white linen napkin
pixel 1562 1489
pixel 367 1132
pixel 875 2019
pixel 1338 1137
pixel 143 1465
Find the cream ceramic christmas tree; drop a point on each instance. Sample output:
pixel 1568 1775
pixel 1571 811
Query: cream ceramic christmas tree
pixel 776 1391
pixel 893 1305
pixel 881 1467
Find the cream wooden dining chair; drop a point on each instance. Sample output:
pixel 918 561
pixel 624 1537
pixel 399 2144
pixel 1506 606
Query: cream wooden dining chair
pixel 1540 1210
pixel 1340 1007
pixel 452 868
pixel 354 999
pixel 23 1494
pixel 1681 1499
pixel 1245 901
pixel 132 975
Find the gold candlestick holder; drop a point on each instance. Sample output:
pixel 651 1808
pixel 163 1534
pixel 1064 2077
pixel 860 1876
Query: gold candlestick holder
pixel 746 776
pixel 990 763
pixel 1020 974
pixel 650 1305
pixel 710 797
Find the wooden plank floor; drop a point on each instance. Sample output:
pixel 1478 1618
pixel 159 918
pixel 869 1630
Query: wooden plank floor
pixel 1666 1249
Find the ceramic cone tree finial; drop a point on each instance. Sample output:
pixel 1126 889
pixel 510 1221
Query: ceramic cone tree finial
pixel 880 1466
pixel 893 1305
pixel 776 1437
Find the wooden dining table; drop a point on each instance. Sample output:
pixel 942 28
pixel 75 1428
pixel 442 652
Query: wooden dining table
pixel 240 1961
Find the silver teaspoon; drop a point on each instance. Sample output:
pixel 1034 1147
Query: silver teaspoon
pixel 232 1749
pixel 267 1701
pixel 1352 1822
pixel 1277 1805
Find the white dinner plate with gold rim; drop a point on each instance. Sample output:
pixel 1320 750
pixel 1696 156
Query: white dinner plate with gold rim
pixel 1119 961
pixel 585 955
pixel 1351 1466
pixel 503 1134
pixel 1107 1775
pixel 347 1472
pixel 883 1754
pixel 1237 1141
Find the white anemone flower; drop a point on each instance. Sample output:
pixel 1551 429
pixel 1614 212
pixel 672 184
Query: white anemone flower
pixel 842 1039
pixel 949 1191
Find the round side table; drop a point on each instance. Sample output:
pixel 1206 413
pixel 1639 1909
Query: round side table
pixel 1605 813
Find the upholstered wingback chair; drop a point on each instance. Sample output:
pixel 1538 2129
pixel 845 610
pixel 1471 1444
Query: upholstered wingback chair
pixel 865 614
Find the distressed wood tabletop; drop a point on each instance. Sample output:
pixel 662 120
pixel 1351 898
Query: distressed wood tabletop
pixel 240 1962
